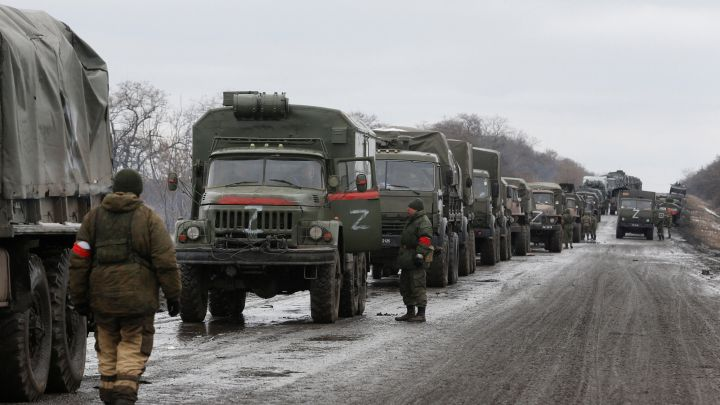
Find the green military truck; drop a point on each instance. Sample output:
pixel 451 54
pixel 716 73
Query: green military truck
pixel 677 196
pixel 519 202
pixel 414 164
pixel 56 165
pixel 600 184
pixel 575 204
pixel 636 210
pixel 546 224
pixel 463 152
pixel 285 200
pixel 490 225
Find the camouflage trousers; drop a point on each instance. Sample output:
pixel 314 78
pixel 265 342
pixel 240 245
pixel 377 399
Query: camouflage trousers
pixel 413 287
pixel 123 346
pixel 568 234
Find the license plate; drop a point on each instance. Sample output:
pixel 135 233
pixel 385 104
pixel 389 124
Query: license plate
pixel 391 241
pixel 636 225
pixel 547 227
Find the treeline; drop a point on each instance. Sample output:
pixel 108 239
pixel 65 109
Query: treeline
pixel 705 183
pixel 155 138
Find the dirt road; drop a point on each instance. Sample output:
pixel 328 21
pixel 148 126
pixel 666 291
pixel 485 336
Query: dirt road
pixel 619 321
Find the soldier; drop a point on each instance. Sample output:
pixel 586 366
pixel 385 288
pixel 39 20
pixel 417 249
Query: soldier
pixel 668 221
pixel 414 259
pixel 595 219
pixel 122 253
pixel 567 223
pixel 659 222
pixel 587 220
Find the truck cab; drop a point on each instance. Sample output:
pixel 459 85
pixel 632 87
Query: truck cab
pixel 546 225
pixel 636 211
pixel 520 208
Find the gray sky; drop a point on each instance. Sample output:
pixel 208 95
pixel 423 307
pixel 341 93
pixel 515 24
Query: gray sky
pixel 612 84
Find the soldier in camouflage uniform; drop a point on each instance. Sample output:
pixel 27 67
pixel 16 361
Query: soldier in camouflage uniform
pixel 567 223
pixel 414 259
pixel 587 223
pixel 595 219
pixel 668 221
pixel 122 254
pixel 660 222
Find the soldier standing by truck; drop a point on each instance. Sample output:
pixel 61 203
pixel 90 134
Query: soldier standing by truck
pixel 121 255
pixel 568 222
pixel 660 222
pixel 587 226
pixel 414 259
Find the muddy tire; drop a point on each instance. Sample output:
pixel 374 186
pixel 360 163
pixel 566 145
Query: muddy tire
pixel 377 272
pixel 577 228
pixel 362 272
pixel 467 256
pixel 454 259
pixel 619 234
pixel 226 302
pixel 556 241
pixel 26 338
pixel 521 242
pixel 504 242
pixel 69 329
pixel 649 234
pixel 350 288
pixel 471 251
pixel 437 275
pixel 488 251
pixel 194 294
pixel 325 292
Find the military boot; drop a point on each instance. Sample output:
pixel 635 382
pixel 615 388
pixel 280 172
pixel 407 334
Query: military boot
pixel 410 313
pixel 420 317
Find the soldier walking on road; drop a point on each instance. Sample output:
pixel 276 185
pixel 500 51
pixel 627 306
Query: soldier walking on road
pixel 567 223
pixel 122 253
pixel 587 220
pixel 595 219
pixel 660 222
pixel 414 259
pixel 668 221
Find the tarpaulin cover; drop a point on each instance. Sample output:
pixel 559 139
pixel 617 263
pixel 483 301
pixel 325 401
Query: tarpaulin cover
pixel 54 132
pixel 462 152
pixel 420 141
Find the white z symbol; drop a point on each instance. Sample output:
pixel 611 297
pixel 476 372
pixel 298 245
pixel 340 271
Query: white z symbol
pixel 637 211
pixel 363 213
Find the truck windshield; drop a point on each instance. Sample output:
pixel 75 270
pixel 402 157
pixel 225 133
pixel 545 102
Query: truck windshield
pixel 570 203
pixel 405 175
pixel 281 172
pixel 544 198
pixel 480 187
pixel 635 204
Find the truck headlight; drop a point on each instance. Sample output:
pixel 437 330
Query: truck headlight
pixel 552 220
pixel 193 233
pixel 315 233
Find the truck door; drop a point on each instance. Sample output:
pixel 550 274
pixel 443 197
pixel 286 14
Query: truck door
pixel 356 203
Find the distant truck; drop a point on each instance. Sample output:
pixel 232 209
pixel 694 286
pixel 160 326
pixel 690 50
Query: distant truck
pixel 546 223
pixel 599 183
pixel 520 208
pixel 56 165
pixel 635 213
pixel 576 205
pixel 677 196
pixel 419 164
pixel 285 199
pixel 491 226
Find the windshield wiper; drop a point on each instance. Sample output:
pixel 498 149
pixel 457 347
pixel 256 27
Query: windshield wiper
pixel 238 183
pixel 286 182
pixel 405 187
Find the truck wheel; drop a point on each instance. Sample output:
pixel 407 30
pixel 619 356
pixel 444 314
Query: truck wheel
pixel 325 293
pixel 349 291
pixel 26 339
pixel 471 251
pixel 619 233
pixel 226 302
pixel 69 329
pixel 437 276
pixel 361 265
pixel 454 267
pixel 508 244
pixel 467 255
pixel 649 234
pixel 521 242
pixel 488 251
pixel 194 294
pixel 556 241
pixel 377 272
pixel 504 248
pixel 576 233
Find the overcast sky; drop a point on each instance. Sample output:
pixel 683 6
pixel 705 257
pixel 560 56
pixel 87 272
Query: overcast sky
pixel 627 85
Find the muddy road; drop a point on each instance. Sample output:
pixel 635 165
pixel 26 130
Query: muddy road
pixel 618 321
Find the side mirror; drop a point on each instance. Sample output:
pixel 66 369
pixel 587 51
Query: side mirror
pixel 172 181
pixel 468 182
pixel 495 190
pixel 361 183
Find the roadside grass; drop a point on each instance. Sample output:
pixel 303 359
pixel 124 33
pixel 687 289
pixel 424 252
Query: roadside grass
pixel 701 224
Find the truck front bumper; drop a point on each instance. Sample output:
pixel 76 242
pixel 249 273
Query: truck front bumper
pixel 537 228
pixel 305 256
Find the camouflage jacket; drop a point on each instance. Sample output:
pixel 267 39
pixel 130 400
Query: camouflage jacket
pixel 130 287
pixel 416 238
pixel 568 220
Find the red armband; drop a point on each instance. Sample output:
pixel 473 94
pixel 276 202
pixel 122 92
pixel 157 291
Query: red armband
pixel 425 241
pixel 82 249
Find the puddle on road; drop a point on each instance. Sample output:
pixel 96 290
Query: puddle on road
pixel 187 332
pixel 335 338
pixel 264 373
pixel 488 280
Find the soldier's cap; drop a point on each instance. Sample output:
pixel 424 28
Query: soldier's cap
pixel 128 181
pixel 417 204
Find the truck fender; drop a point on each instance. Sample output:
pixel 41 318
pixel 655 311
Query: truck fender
pixel 335 228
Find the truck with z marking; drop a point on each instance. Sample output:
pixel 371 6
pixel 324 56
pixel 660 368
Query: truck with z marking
pixel 285 199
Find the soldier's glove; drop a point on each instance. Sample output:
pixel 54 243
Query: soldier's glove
pixel 173 307
pixel 418 260
pixel 83 309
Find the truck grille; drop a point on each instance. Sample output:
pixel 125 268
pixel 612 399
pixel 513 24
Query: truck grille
pixel 392 225
pixel 275 222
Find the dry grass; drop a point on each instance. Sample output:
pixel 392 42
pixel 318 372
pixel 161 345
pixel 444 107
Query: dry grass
pixel 700 225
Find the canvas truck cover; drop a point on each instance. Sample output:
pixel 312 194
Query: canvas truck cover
pixel 462 152
pixel 54 132
pixel 420 141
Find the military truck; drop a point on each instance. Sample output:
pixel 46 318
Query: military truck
pixel 413 164
pixel 546 224
pixel 285 200
pixel 617 181
pixel 677 196
pixel 56 165
pixel 635 213
pixel 599 183
pixel 492 231
pixel 463 153
pixel 575 204
pixel 521 206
